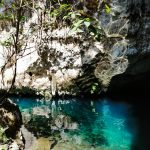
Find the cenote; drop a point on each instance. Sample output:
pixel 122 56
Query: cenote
pixel 79 124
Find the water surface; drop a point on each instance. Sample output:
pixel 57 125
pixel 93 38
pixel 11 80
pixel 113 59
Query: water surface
pixel 80 123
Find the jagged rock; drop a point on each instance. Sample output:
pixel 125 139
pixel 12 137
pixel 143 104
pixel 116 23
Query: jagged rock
pixel 10 117
pixel 126 28
pixel 11 121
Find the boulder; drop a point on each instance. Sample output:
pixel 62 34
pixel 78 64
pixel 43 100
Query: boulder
pixel 11 121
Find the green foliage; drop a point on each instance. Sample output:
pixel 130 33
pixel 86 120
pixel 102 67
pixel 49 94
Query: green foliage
pixel 69 13
pixel 94 88
pixel 1 3
pixel 14 10
pixel 23 18
pixel 3 137
pixel 61 10
pixel 87 22
pixel 6 16
pixel 107 8
pixel 84 24
pixel 6 43
pixel 77 24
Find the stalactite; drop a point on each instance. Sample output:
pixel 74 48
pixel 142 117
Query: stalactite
pixel 53 85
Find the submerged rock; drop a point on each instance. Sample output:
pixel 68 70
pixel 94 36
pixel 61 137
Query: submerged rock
pixel 65 122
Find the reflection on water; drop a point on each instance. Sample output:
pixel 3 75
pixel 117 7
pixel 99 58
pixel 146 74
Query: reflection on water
pixel 79 124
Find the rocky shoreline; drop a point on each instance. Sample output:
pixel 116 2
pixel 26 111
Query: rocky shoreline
pixel 10 122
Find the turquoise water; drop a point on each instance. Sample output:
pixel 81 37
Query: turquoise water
pixel 101 124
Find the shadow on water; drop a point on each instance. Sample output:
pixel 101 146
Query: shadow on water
pixel 135 91
pixel 139 114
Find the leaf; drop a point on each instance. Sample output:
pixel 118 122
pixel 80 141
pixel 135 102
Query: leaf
pixel 87 23
pixel 70 13
pixel 73 15
pixel 78 23
pixel 79 30
pixel 78 14
pixel 65 17
pixel 1 4
pixel 13 6
pixel 96 84
pixel 91 33
pixel 23 18
pixel 87 19
pixel 107 8
pixel 74 29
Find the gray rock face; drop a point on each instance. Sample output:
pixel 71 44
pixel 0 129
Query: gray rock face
pixel 127 28
pixel 139 36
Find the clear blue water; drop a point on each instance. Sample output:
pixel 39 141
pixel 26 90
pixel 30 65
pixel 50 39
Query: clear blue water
pixel 100 124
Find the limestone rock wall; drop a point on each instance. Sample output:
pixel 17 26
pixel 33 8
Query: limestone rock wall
pixel 68 63
pixel 51 55
pixel 127 31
